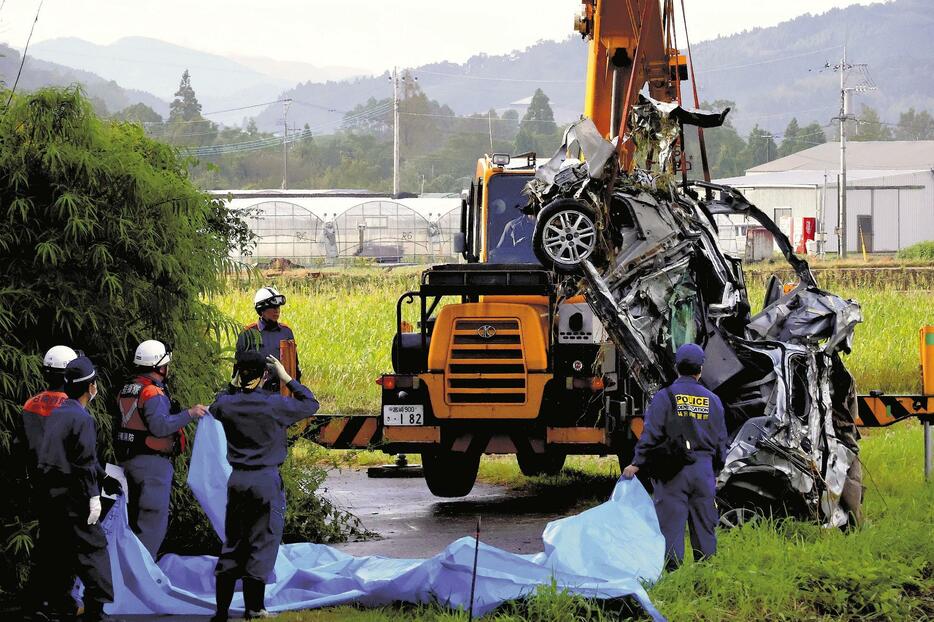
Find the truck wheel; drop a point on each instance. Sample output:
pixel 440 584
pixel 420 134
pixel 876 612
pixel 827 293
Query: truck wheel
pixel 565 235
pixel 449 473
pixel 532 464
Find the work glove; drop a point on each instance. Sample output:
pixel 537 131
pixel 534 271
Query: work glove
pixel 280 369
pixel 95 510
pixel 112 486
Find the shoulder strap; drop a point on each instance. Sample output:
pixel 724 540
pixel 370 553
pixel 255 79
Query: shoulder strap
pixel 150 391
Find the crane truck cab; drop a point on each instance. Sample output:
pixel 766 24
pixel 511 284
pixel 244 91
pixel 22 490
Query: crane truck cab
pixel 500 362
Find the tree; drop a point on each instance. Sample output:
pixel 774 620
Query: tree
pixel 760 147
pixel 915 126
pixel 539 112
pixel 185 106
pixel 138 113
pixel 811 135
pixel 537 130
pixel 870 127
pixel 790 142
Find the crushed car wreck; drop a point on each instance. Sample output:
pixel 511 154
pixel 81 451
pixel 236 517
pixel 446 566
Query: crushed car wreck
pixel 643 251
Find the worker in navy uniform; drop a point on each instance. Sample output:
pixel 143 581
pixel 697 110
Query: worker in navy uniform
pixel 147 438
pixel 69 476
pixel 255 421
pixel 267 331
pixel 39 407
pixel 30 430
pixel 689 496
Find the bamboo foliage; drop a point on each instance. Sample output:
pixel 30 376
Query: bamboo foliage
pixel 105 242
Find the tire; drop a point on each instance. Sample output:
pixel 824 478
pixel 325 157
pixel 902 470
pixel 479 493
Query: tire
pixel 450 474
pixel 532 464
pixel 553 248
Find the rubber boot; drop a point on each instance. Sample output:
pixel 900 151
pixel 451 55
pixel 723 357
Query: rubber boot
pixel 224 591
pixel 254 599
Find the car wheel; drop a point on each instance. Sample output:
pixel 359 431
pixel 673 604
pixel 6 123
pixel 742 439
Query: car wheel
pixel 566 235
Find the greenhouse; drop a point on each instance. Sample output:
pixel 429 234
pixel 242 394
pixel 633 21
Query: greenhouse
pixel 319 228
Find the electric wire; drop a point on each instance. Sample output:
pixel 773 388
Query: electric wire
pixel 271 141
pixel 23 59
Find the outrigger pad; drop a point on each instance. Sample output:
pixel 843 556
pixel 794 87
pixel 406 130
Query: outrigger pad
pixel 609 551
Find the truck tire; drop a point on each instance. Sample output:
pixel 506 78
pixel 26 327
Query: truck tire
pixel 565 235
pixel 532 464
pixel 449 473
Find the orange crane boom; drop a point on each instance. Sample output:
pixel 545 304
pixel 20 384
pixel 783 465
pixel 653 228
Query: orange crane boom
pixel 632 44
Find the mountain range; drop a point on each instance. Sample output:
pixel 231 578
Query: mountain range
pixel 772 74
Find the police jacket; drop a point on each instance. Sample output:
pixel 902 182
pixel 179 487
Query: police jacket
pixel 700 407
pixel 36 412
pixel 256 423
pixel 146 424
pixel 67 455
pixel 270 333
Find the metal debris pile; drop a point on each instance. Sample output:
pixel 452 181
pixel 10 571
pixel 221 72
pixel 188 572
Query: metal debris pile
pixel 644 253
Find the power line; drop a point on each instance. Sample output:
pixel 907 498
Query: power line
pixel 278 101
pixel 766 62
pixel 267 142
pixel 23 59
pixel 319 106
pixel 493 79
pixel 484 119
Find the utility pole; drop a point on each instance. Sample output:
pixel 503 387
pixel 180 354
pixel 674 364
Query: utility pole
pixel 865 85
pixel 285 143
pixel 397 80
pixel 395 133
pixel 489 116
pixel 841 186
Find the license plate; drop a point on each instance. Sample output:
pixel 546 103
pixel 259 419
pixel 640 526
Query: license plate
pixel 403 414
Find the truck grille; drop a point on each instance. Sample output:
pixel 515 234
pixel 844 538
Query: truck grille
pixel 486 363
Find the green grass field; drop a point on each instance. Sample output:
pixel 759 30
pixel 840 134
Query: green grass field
pixel 789 571
pixel 344 326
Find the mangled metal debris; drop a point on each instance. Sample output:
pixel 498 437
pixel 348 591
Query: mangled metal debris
pixel 644 254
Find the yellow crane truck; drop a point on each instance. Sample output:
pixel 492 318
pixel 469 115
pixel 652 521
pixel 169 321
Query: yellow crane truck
pixel 501 362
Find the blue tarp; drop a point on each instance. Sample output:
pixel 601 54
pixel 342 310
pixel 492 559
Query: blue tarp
pixel 604 552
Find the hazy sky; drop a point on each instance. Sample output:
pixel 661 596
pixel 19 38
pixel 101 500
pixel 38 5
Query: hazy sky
pixel 368 34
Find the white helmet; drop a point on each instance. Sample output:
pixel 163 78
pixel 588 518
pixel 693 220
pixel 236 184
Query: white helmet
pixel 267 298
pixel 58 357
pixel 151 353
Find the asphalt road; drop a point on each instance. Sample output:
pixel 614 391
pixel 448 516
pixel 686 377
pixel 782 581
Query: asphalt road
pixel 412 523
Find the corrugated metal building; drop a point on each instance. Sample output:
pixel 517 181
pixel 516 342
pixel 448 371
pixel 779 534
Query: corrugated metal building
pixel 311 227
pixel 890 194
